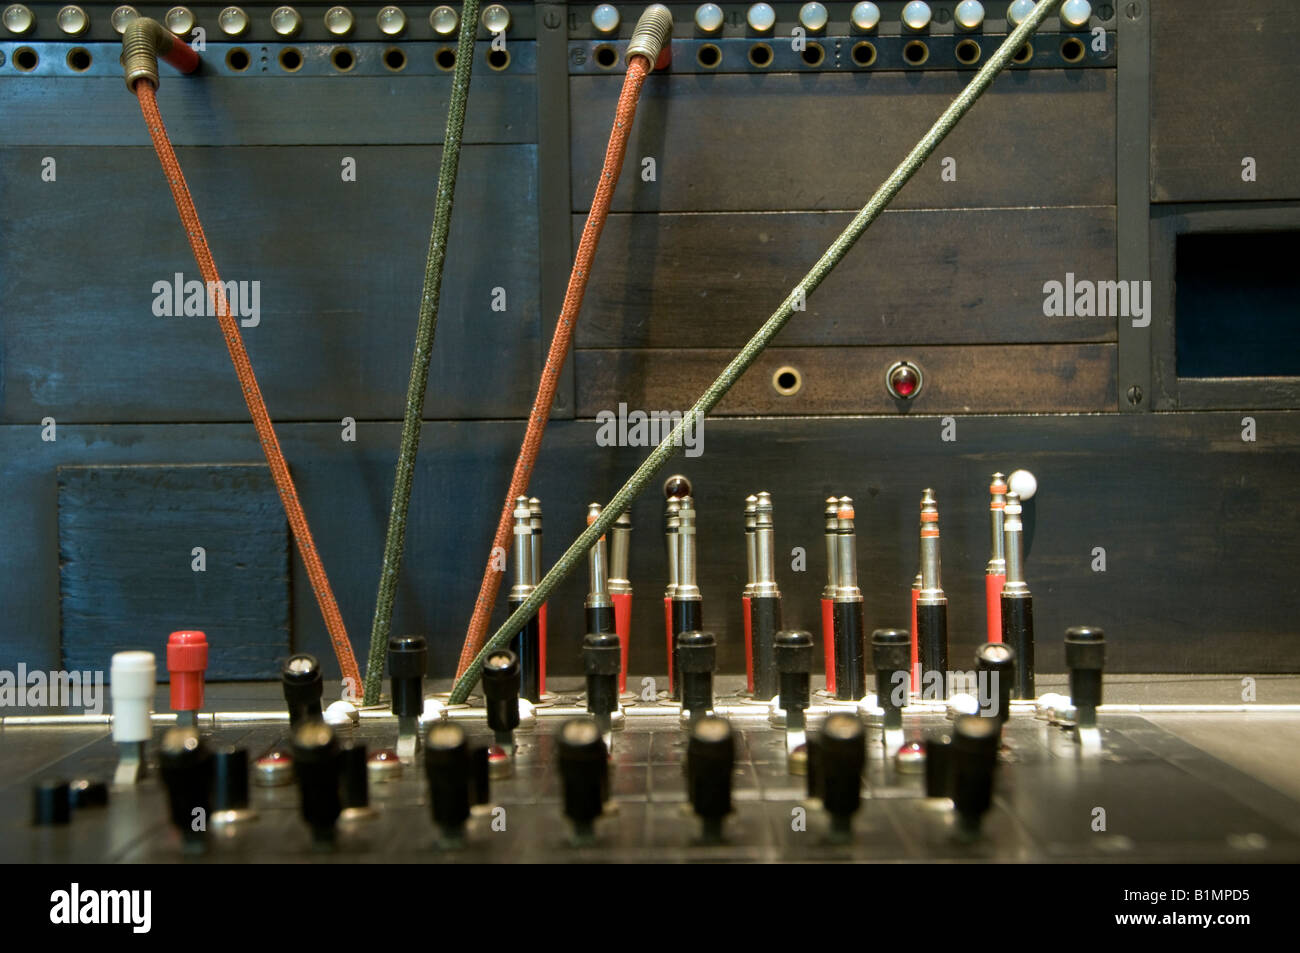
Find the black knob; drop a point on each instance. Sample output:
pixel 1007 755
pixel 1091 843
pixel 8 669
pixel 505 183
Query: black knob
pixel 230 779
pixel 602 657
pixel 676 487
pixel 1085 657
pixel 843 756
pixel 480 775
pixel 584 770
pixel 793 651
pixel 974 757
pixel 316 759
pixel 86 793
pixel 354 786
pixel 891 655
pixel 51 803
pixel 303 685
pixel 447 763
pixel 710 761
pixel 501 690
pixel 938 766
pixel 813 761
pixel 408 658
pixel 696 658
pixel 186 765
pixel 996 664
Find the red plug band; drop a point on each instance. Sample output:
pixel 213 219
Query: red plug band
pixel 828 642
pixel 623 627
pixel 993 602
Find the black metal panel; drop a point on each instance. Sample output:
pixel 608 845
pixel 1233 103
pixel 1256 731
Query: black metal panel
pixel 1179 502
pixel 129 573
pixel 932 277
pixel 826 141
pixel 340 266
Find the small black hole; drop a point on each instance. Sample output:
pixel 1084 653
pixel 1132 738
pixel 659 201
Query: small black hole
pixel 237 59
pixel 606 56
pixel 498 59
pixel 342 59
pixel 916 52
pixel 1072 50
pixel 290 60
pixel 709 56
pixel 786 380
pixel 864 53
pixel 1024 54
pixel 760 55
pixel 78 59
pixel 395 59
pixel 26 59
pixel 968 51
pixel 445 58
pixel 813 54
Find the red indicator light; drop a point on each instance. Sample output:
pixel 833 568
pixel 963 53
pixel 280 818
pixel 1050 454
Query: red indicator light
pixel 903 380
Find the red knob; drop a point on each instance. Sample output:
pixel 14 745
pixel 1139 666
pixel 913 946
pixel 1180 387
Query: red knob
pixel 187 660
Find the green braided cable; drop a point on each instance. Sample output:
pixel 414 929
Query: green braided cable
pixel 395 541
pixel 750 352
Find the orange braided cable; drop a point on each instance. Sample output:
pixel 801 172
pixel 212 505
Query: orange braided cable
pixel 637 68
pixel 248 382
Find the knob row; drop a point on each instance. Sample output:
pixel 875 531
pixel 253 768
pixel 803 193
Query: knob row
pixel 18 19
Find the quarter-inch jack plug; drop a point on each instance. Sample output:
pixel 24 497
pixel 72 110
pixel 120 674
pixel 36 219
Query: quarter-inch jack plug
pixel 746 606
pixel 672 539
pixel 764 601
pixel 620 590
pixel 1017 603
pixel 849 632
pixel 526 644
pixel 828 592
pixel 687 600
pixel 932 605
pixel 995 573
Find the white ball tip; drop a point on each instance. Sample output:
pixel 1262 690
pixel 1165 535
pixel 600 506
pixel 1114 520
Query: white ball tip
pixel 1024 483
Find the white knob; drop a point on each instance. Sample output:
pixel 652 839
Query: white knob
pixel 969 14
pixel 760 17
pixel 1024 483
pixel 134 679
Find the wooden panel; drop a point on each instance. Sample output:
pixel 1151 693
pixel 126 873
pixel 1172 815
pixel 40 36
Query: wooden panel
pixel 340 266
pixel 936 277
pixel 826 141
pixel 1198 526
pixel 264 110
pixel 126 572
pixel 993 379
pixel 1223 81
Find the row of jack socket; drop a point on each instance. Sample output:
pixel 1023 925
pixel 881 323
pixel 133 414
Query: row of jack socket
pixel 78 59
pixel 863 53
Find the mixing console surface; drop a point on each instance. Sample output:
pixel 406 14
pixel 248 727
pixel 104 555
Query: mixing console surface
pixel 1147 796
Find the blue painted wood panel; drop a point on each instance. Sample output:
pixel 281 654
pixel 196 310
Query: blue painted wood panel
pixel 129 573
